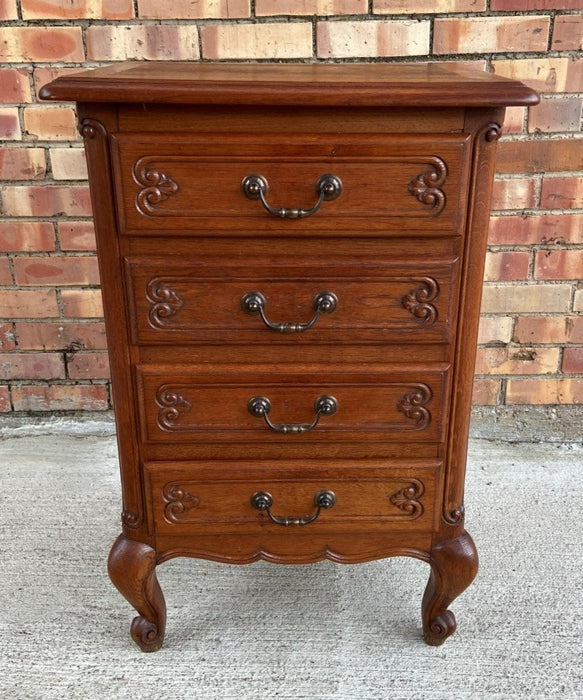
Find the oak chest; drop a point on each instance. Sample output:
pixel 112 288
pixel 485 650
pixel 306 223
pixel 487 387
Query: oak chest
pixel 291 260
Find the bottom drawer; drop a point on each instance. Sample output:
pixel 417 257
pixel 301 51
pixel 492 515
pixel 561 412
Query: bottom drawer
pixel 291 495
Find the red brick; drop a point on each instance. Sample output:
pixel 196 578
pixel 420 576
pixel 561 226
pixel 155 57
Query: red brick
pixel 548 74
pixel 82 303
pixel 5 403
pixel 539 156
pixel 142 42
pixel 187 9
pixel 8 9
pixel 562 193
pixel 5 272
pixel 274 40
pixel 528 5
pixel 516 193
pixel 14 85
pixel 9 124
pixel 514 120
pixel 26 235
pixel 558 265
pixel 68 164
pixel 490 34
pixel 495 330
pixel 88 365
pixel 425 6
pixel 546 228
pixel 50 123
pixel 517 360
pixel 7 337
pixel 486 392
pixel 557 330
pixel 41 44
pixel 36 365
pixel 573 360
pixel 89 397
pixel 526 298
pixel 77 9
pixel 557 114
pixel 321 8
pixel 22 164
pixel 76 235
pixel 46 200
pixel 568 33
pixel 20 303
pixel 58 271
pixel 356 39
pixel 544 391
pixel 60 335
pixel 507 265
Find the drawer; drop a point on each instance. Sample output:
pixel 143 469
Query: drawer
pixel 364 300
pixel 290 405
pixel 303 497
pixel 189 184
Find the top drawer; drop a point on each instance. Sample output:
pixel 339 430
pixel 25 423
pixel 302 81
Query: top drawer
pixel 191 184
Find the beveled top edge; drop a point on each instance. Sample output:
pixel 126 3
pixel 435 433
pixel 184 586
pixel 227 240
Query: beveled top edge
pixel 302 84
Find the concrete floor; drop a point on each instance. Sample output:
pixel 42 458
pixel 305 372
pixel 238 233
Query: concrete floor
pixel 264 631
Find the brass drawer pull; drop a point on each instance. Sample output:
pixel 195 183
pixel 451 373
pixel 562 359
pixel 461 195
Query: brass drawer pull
pixel 324 303
pixel 328 188
pixel 261 500
pixel 260 406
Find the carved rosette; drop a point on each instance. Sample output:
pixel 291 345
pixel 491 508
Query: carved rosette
pixel 165 302
pixel 427 186
pixel 178 502
pixel 455 516
pixel 414 406
pixel 156 186
pixel 408 499
pixel 129 519
pixel 419 301
pixel 172 406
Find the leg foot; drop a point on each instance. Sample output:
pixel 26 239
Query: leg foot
pixel 132 569
pixel 454 565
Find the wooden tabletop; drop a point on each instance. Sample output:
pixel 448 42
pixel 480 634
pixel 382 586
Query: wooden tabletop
pixel 373 84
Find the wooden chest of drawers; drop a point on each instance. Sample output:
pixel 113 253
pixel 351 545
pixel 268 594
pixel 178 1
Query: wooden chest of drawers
pixel 291 261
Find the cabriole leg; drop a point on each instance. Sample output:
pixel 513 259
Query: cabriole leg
pixel 132 569
pixel 454 565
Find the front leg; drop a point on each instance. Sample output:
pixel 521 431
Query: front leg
pixel 132 569
pixel 454 565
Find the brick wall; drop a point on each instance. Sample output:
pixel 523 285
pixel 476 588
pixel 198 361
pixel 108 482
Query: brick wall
pixel 51 333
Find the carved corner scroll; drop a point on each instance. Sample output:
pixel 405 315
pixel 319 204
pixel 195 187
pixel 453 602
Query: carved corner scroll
pixel 165 302
pixel 408 499
pixel 172 406
pixel 156 186
pixel 414 406
pixel 178 502
pixel 427 186
pixel 419 301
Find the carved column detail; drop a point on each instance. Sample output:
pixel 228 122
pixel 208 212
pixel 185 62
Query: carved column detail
pixel 156 185
pixel 413 405
pixel 172 405
pixel 418 301
pixel 427 185
pixel 178 502
pixel 408 498
pixel 164 300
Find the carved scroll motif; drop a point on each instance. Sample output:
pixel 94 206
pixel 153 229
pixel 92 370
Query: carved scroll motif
pixel 178 502
pixel 413 405
pixel 418 301
pixel 172 406
pixel 408 498
pixel 427 185
pixel 164 300
pixel 156 185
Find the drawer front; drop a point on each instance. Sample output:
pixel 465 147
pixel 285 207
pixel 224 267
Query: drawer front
pixel 292 406
pixel 177 302
pixel 192 497
pixel 190 184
